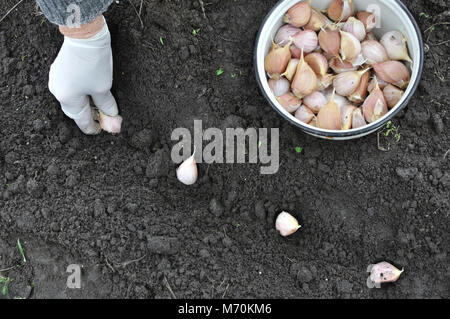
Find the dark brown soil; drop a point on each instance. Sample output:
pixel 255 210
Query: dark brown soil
pixel 112 203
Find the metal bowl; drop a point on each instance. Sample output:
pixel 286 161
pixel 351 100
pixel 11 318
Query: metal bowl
pixel 394 16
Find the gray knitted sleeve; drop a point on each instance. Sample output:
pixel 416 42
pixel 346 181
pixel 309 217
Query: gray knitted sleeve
pixel 71 12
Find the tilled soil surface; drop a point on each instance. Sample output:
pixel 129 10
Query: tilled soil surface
pixel 113 204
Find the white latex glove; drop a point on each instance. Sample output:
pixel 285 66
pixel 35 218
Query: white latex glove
pixel 84 68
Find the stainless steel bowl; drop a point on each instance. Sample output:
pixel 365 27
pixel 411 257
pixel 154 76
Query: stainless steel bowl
pixel 394 16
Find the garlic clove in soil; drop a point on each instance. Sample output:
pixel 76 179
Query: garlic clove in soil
pixel 360 93
pixel 110 124
pixel 368 19
pixel 282 38
pixel 347 116
pixel 318 62
pixel 291 69
pixel 286 224
pixel 315 101
pixel 299 14
pixel 340 10
pixel 329 116
pixel 383 272
pixel 358 119
pixel 304 114
pixel 289 102
pixel 392 95
pixel 355 27
pixel 330 40
pixel 305 80
pixel 393 72
pixel 187 172
pixel 375 106
pixel 306 40
pixel 374 52
pixel 395 44
pixel 277 60
pixel 317 21
pixel 350 46
pixel 279 87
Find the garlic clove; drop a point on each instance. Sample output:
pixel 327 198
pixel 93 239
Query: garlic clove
pixel 329 116
pixel 306 40
pixel 286 224
pixel 304 114
pixel 368 19
pixel 282 38
pixel 340 10
pixel 361 91
pixel 277 60
pixel 340 66
pixel 355 27
pixel 291 69
pixel 341 101
pixel 360 60
pixel 375 106
pixel 392 95
pixel 395 44
pixel 330 40
pixel 393 72
pixel 289 102
pixel 313 123
pixel 350 46
pixel 187 172
pixel 317 21
pixel 347 82
pixel 315 101
pixel 299 14
pixel 374 52
pixel 323 82
pixel 279 87
pixel 384 273
pixel 318 62
pixel 347 116
pixel 110 124
pixel 358 119
pixel 296 53
pixel 305 80
pixel 382 84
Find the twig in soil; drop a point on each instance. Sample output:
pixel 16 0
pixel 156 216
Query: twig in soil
pixel 225 292
pixel 381 148
pixel 170 289
pixel 126 263
pixel 109 265
pixel 137 13
pixel 7 269
pixel 203 8
pixel 446 153
pixel 11 10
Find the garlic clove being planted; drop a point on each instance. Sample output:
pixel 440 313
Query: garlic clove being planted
pixel 374 52
pixel 279 87
pixel 358 119
pixel 299 14
pixel 392 95
pixel 393 72
pixel 375 106
pixel 317 21
pixel 350 46
pixel 286 224
pixel 395 44
pixel 305 80
pixel 306 40
pixel 346 83
pixel 383 273
pixel 368 19
pixel 355 27
pixel 289 102
pixel 284 34
pixel 330 40
pixel 187 172
pixel 329 116
pixel 318 62
pixel 347 116
pixel 277 60
pixel 361 91
pixel 291 69
pixel 304 114
pixel 340 10
pixel 110 124
pixel 315 101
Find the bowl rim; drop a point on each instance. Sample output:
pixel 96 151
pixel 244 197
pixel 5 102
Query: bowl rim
pixel 360 131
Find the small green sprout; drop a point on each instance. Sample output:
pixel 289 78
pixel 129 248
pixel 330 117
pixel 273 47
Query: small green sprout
pixel 23 57
pixel 219 71
pixel 423 14
pixel 21 251
pixel 391 129
pixel 195 32
pixel 299 149
pixel 233 75
pixel 161 40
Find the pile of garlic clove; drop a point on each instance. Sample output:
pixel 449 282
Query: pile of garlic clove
pixel 336 75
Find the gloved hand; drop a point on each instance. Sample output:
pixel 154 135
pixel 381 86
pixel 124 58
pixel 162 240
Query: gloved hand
pixel 84 68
